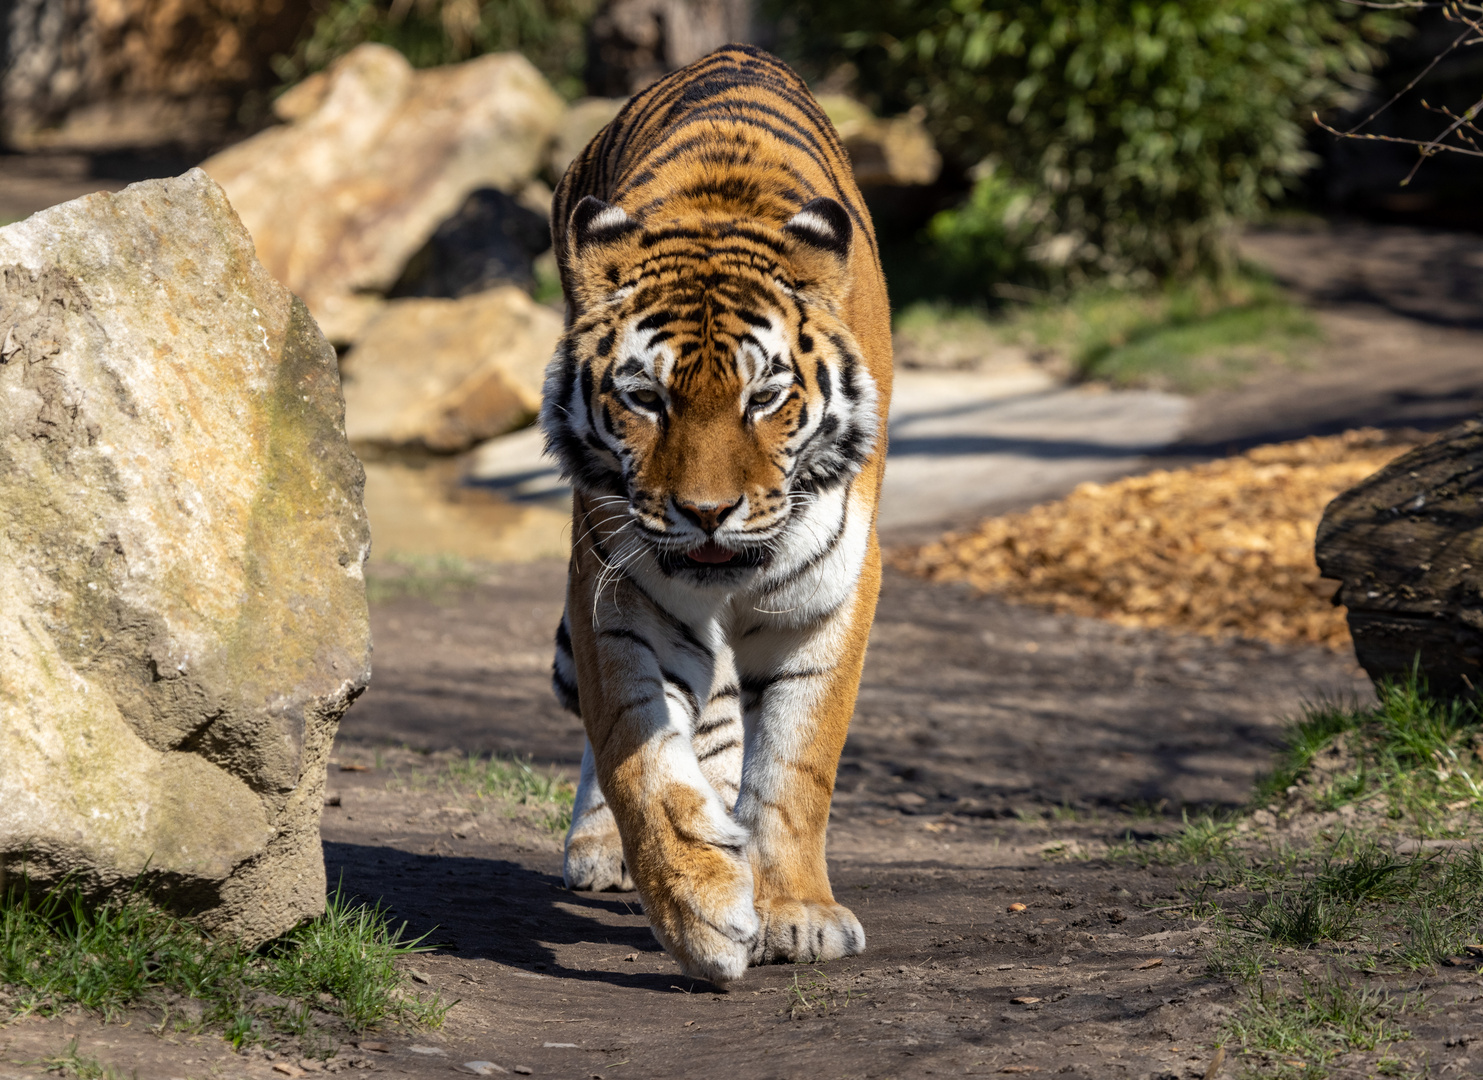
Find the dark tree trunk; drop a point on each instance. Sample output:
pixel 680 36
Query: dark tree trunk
pixel 630 43
pixel 1408 546
pixel 84 75
pixel 48 50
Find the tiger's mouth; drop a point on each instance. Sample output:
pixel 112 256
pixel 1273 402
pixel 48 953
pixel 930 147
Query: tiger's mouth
pixel 711 553
pixel 711 558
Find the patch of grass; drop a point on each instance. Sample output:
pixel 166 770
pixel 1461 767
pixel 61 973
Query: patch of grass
pixel 508 779
pixel 814 996
pixel 1308 1026
pixel 1424 755
pixel 1304 896
pixel 72 1063
pixel 1300 919
pixel 428 577
pixel 1373 874
pixel 1187 336
pixel 350 953
pixel 58 950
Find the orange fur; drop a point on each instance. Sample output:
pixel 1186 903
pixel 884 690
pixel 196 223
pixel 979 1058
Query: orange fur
pixel 719 399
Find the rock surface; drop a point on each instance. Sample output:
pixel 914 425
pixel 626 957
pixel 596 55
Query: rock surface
pixel 893 152
pixel 582 123
pixel 445 374
pixel 1407 543
pixel 182 607
pixel 375 158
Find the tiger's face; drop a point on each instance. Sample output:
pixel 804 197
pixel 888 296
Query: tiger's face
pixel 707 380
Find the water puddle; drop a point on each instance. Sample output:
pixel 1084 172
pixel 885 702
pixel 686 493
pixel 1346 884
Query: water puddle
pixel 425 508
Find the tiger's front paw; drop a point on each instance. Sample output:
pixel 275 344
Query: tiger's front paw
pixel 804 931
pixel 706 920
pixel 698 895
pixel 594 855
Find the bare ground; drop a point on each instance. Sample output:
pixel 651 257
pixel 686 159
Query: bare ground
pixel 995 753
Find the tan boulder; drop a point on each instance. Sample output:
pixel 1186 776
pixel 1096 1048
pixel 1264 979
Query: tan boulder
pixel 376 155
pixel 898 151
pixel 446 374
pixel 182 607
pixel 582 123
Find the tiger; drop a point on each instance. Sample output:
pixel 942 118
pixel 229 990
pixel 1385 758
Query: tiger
pixel 718 402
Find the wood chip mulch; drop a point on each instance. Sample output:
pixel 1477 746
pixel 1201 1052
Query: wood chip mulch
pixel 1220 549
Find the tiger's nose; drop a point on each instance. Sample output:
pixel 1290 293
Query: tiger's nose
pixel 707 515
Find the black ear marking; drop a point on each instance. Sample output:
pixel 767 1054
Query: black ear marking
pixel 597 222
pixel 823 223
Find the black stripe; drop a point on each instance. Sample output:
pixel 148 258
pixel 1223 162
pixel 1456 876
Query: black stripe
pixel 756 684
pixel 629 635
pixel 566 693
pixel 716 750
pixel 714 725
pixel 683 687
pixel 814 559
pixel 687 635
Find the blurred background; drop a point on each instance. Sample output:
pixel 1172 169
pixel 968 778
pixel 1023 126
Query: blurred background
pixel 1117 235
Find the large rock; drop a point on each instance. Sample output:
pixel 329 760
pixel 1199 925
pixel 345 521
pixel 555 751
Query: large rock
pixel 579 127
pixel 375 157
pixel 442 375
pixel 182 608
pixel 1407 544
pixel 883 152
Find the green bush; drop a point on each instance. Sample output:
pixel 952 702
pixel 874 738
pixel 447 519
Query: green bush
pixel 432 32
pixel 1141 130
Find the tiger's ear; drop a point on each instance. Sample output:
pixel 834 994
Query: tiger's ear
pixel 596 233
pixel 595 222
pixel 818 248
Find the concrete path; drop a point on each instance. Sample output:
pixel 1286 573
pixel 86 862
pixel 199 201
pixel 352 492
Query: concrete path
pixel 962 443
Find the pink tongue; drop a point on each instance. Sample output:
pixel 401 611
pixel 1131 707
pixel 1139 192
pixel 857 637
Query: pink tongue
pixel 711 552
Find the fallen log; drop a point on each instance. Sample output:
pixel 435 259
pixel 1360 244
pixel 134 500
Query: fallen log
pixel 1407 544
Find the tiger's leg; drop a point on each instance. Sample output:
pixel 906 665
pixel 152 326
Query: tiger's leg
pixel 718 736
pixel 687 857
pixel 594 851
pixel 594 855
pixel 799 690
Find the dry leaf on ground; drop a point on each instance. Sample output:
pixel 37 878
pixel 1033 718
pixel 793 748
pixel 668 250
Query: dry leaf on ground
pixel 1221 548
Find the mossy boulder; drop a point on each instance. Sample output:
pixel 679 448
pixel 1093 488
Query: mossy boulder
pixel 182 606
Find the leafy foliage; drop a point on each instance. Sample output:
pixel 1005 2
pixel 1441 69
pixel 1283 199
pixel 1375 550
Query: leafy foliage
pixel 432 32
pixel 1126 136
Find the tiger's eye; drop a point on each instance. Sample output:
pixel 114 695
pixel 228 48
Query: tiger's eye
pixel 645 397
pixel 764 397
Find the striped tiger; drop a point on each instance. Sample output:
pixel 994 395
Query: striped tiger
pixel 718 401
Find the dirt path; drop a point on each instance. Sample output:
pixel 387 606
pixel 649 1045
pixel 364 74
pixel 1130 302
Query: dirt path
pixel 995 751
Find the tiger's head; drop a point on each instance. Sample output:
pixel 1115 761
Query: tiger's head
pixel 707 378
